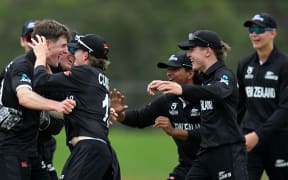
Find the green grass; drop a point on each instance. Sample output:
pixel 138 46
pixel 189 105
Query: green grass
pixel 143 154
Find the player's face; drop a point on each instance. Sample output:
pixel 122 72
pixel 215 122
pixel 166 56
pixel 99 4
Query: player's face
pixel 262 40
pixel 81 57
pixel 179 75
pixel 56 49
pixel 24 42
pixel 66 61
pixel 198 56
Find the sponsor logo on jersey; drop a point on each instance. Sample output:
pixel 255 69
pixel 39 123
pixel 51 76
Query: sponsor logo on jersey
pixel 194 112
pixel 25 78
pixel 206 105
pixel 281 163
pixel 249 74
pixel 173 109
pixel 224 175
pixel 186 126
pixel 260 92
pixel 224 79
pixel 270 75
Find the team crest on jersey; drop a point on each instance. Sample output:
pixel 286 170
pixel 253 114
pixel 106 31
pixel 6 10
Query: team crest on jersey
pixel 249 72
pixel 270 75
pixel 25 78
pixel 194 112
pixel 173 109
pixel 224 79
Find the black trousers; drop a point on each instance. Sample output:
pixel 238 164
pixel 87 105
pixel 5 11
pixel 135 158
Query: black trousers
pixel 90 159
pixel 270 155
pixel 227 162
pixel 22 168
pixel 179 172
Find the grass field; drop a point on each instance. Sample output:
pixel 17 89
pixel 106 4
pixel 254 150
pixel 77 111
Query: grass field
pixel 143 154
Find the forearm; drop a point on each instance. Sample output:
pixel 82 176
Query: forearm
pixel 32 100
pixel 276 121
pixel 178 133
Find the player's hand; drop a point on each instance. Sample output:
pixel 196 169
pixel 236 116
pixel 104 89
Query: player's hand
pixel 113 114
pixel 117 101
pixel 66 106
pixel 40 48
pixel 165 124
pixel 252 140
pixel 167 87
pixel 153 87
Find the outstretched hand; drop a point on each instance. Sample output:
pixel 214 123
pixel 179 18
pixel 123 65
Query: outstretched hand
pixel 166 87
pixel 117 101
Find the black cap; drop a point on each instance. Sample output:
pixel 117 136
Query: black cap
pixel 202 38
pixel 28 27
pixel 177 60
pixel 262 20
pixel 94 44
pixel 74 36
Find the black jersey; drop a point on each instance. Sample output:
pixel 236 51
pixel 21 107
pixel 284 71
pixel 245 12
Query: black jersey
pixel 89 87
pixel 263 93
pixel 22 139
pixel 182 115
pixel 218 96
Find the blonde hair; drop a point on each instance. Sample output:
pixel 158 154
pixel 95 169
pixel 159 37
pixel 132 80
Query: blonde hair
pixel 99 62
pixel 222 53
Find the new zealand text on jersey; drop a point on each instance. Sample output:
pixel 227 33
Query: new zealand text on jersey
pixel 260 92
pixel 206 105
pixel 186 126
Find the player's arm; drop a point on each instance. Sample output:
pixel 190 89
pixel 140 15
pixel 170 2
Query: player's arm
pixel 32 100
pixel 141 117
pixel 165 124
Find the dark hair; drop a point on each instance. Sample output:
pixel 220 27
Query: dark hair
pixel 51 29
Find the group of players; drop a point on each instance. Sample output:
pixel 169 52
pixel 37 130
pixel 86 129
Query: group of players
pixel 225 126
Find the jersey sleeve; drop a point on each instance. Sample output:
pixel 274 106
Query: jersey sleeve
pixel 21 75
pixel 218 89
pixel 146 115
pixel 52 82
pixel 241 107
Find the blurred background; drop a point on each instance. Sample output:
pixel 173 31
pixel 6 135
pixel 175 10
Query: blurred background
pixel 142 33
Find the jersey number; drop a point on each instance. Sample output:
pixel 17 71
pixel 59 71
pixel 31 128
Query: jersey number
pixel 105 104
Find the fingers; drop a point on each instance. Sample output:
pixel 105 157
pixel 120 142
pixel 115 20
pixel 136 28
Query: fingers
pixel 153 87
pixel 68 105
pixel 162 122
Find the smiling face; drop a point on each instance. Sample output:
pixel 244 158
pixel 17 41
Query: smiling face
pixel 262 40
pixel 56 50
pixel 66 61
pixel 179 75
pixel 198 56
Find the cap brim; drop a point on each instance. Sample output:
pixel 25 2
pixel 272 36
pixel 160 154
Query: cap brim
pixel 168 64
pixel 74 45
pixel 186 45
pixel 249 23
